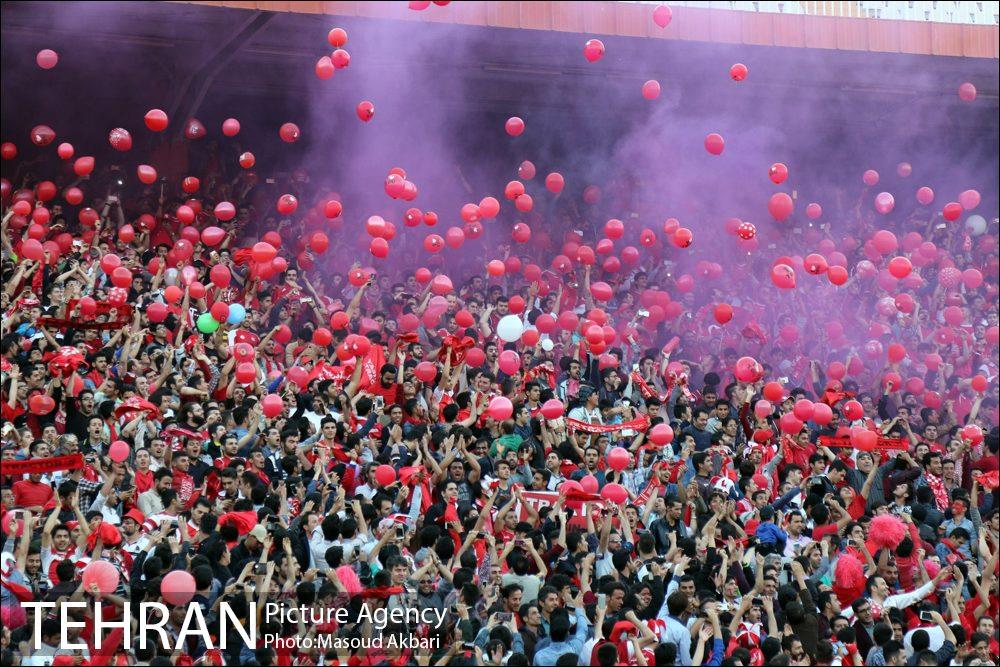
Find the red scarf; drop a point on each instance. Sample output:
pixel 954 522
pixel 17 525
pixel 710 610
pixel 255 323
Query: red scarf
pixel 940 493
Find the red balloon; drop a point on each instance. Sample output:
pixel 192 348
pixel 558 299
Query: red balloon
pixel 715 144
pixel 337 37
pixel 220 311
pixel 853 410
pixel 837 275
pixel 103 574
pixel 42 135
pixel 967 92
pixel 951 211
pixel 651 89
pixel 246 372
pixel 514 189
pixel 780 206
pixel 120 139
pixel 332 209
pixel 194 130
pixel 778 173
pixel 287 204
pixel 379 248
pixel 554 182
pixel 783 276
pixel 804 409
pixel 83 165
pixel 748 370
pixel 661 434
pixel 385 475
pixel 289 132
pixel 126 234
pixel 319 242
pixel 619 458
pixel 46 58
pixel 514 126
pixel 40 404
pixel 121 277
pixel 156 120
pixel 790 424
pixel 65 150
pixel 738 72
pixel 682 238
pixel 322 337
pixel 434 243
pixel 146 174
pixel 822 414
pixel 225 211
pixel 340 58
pixel 601 291
pixel 614 493
pixel 723 313
pixel 230 127
pixel 263 252
pixel 220 276
pixel 500 408
pixel 325 68
pixel 366 110
pixel 593 50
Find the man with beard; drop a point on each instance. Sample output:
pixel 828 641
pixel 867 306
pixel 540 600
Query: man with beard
pixel 150 502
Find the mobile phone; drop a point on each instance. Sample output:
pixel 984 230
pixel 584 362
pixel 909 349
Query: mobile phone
pixel 642 313
pixel 503 616
pixel 260 568
pixel 400 532
pixel 925 617
pixel 602 600
pixel 518 542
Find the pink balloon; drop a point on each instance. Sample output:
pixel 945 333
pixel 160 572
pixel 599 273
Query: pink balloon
pixel 103 574
pixel 925 195
pixel 614 493
pixel 619 458
pixel 783 276
pixel 661 434
pixel 715 144
pixel 969 199
pixel 780 206
pixel 500 408
pixel 177 587
pixel 118 451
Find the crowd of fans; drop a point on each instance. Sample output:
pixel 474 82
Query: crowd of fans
pixel 388 474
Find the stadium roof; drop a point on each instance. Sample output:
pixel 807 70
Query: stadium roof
pixel 799 24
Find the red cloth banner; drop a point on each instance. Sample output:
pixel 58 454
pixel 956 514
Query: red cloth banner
pixel 883 444
pixel 42 466
pixel 640 423
pixel 124 314
pixel 581 503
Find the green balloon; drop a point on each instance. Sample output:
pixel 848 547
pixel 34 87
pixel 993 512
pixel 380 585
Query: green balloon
pixel 206 323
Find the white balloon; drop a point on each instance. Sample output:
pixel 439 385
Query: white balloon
pixel 510 328
pixel 170 277
pixel 975 224
pixel 547 344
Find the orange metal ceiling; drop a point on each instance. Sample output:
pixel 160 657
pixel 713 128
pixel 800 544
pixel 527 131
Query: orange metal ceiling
pixel 689 23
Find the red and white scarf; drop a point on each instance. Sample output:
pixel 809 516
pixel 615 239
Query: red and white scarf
pixel 940 493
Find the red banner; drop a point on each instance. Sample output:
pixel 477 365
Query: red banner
pixel 883 444
pixel 42 466
pixel 540 499
pixel 640 423
pixel 124 313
